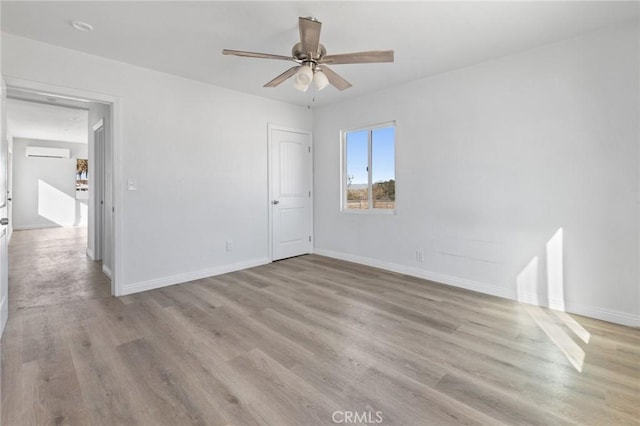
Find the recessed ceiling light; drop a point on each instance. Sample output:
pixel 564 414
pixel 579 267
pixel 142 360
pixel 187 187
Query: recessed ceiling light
pixel 82 26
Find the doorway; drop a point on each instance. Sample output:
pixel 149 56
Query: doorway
pixel 49 147
pixel 290 196
pixel 70 212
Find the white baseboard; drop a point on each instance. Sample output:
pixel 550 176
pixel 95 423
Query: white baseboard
pixel 420 273
pixel 41 226
pixel 617 317
pixel 4 314
pixel 192 276
pixel 529 299
pixel 107 271
pixel 90 254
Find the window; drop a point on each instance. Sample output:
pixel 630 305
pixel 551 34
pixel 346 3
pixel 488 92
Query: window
pixel 369 176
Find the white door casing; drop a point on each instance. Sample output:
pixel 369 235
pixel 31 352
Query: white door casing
pixel 290 183
pixel 4 278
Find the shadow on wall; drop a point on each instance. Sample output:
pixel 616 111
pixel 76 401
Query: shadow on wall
pixel 534 292
pixel 59 207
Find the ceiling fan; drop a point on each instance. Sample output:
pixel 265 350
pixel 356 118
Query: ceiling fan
pixel 312 60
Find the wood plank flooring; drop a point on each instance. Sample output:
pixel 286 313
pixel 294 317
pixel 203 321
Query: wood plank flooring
pixel 50 267
pixel 297 342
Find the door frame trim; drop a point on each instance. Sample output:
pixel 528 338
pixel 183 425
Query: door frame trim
pixel 270 128
pixel 117 164
pixel 4 232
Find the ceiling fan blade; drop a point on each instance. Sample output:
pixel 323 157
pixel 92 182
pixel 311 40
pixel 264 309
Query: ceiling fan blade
pixel 255 55
pixel 369 57
pixel 309 34
pixel 335 80
pixel 282 77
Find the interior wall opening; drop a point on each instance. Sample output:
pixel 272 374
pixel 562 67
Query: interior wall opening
pixel 58 191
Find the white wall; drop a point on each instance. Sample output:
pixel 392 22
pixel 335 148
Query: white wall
pixel 494 159
pixel 198 153
pixel 44 189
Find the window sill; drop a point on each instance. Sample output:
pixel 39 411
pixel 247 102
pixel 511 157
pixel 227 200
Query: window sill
pixel 384 212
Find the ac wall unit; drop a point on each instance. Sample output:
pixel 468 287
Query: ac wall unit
pixel 46 152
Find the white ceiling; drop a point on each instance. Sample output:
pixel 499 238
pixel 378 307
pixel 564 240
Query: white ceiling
pixel 186 38
pixel 46 122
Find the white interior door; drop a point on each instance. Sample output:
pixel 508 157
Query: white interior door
pixel 98 188
pixel 103 198
pixel 290 170
pixel 4 294
pixel 107 195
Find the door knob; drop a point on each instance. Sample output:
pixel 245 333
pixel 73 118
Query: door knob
pixel 276 202
pixel 4 221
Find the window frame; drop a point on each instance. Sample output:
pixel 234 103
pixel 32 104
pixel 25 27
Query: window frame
pixel 343 175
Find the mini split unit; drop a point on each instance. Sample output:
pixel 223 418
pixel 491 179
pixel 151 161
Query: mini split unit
pixel 45 152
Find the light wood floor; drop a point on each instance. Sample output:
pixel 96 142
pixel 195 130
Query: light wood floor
pixel 292 343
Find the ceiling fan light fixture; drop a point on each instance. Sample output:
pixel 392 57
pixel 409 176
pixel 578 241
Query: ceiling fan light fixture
pixel 305 74
pixel 300 86
pixel 320 80
pixel 303 78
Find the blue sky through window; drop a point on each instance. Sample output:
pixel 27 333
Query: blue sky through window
pixel 383 155
pixel 357 157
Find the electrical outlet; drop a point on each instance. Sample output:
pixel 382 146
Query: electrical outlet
pixel 419 256
pixel 229 245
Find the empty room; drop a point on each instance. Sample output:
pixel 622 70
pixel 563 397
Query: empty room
pixel 320 213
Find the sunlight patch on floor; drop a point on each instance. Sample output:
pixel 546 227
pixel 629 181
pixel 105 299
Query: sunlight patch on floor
pixel 573 325
pixel 572 351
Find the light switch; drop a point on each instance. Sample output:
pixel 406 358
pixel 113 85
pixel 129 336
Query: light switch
pixel 132 184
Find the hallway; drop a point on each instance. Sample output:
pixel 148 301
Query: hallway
pixel 50 267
